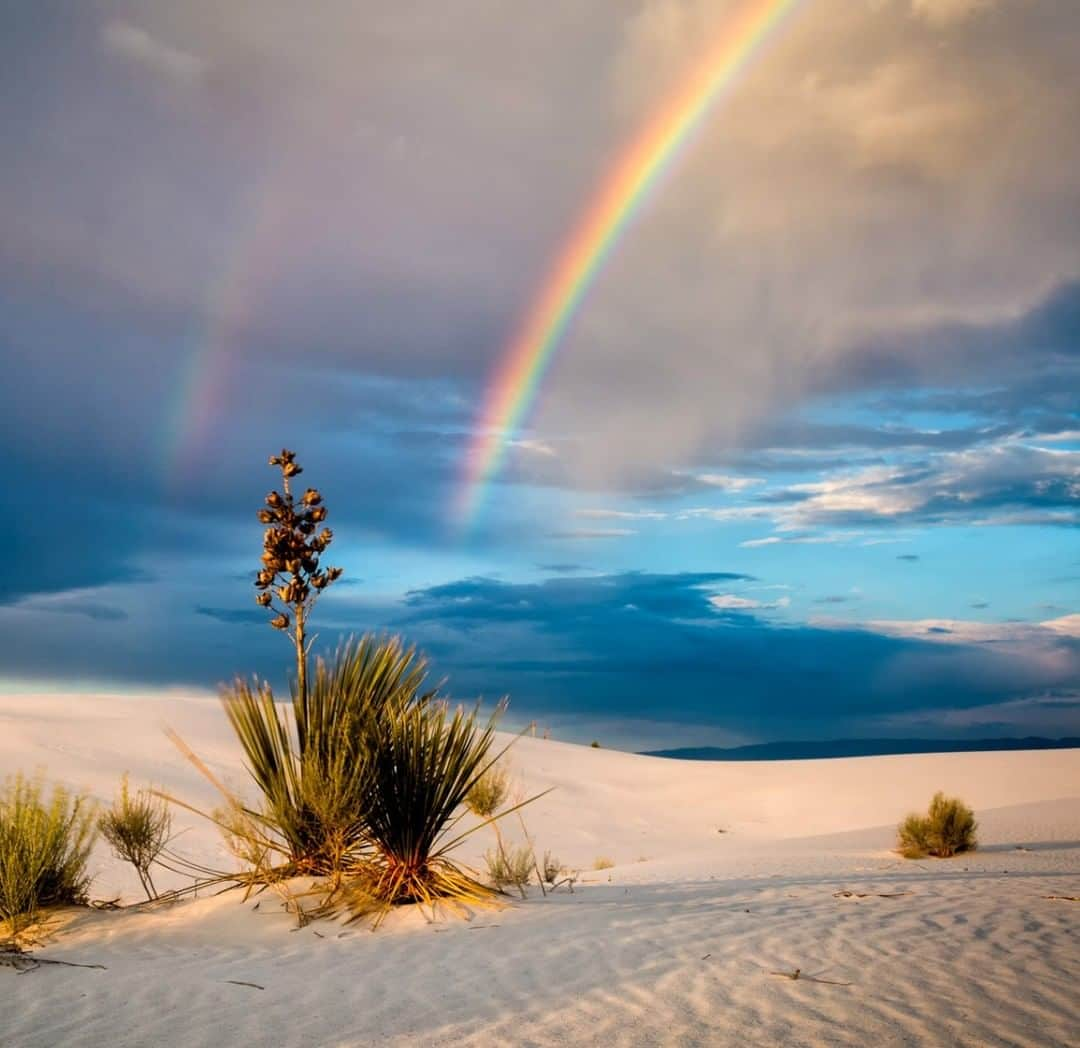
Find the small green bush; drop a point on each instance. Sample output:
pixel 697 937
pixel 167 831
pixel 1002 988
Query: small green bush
pixel 137 828
pixel 44 849
pixel 947 829
pixel 489 792
pixel 510 867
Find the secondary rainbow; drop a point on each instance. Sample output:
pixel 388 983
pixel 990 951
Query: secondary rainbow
pixel 621 193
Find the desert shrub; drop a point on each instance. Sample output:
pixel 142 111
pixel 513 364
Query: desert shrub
pixel 947 829
pixel 603 863
pixel 552 869
pixel 422 766
pixel 489 793
pixel 44 849
pixel 510 867
pixel 137 828
pixel 311 769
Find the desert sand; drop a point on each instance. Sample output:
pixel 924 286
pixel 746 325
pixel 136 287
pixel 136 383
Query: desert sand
pixel 724 874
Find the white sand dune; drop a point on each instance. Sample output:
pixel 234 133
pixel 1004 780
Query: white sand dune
pixel 673 945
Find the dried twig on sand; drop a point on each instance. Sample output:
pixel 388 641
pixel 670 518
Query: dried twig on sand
pixel 1064 898
pixel 241 982
pixel 847 893
pixel 12 956
pixel 797 973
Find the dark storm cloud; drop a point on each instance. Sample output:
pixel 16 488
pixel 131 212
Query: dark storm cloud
pixel 675 597
pixel 635 647
pixel 1041 349
pixel 615 646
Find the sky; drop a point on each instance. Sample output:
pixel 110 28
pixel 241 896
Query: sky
pixel 805 464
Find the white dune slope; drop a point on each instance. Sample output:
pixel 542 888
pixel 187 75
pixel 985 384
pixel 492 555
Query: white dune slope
pixel 676 944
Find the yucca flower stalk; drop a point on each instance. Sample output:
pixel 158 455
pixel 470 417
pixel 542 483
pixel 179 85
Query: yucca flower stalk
pixel 292 545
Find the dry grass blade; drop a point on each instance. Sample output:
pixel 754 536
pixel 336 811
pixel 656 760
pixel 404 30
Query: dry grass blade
pixel 797 974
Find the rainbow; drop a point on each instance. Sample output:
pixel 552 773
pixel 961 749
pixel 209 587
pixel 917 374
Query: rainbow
pixel 206 371
pixel 611 210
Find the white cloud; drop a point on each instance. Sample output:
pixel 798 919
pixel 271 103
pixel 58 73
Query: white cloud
pixel 620 514
pixel 1009 482
pixel 966 631
pixel 727 483
pixel 732 602
pixel 536 447
pixel 828 538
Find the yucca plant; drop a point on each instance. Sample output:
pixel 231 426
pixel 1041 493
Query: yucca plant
pixel 44 849
pixel 311 767
pixel 422 767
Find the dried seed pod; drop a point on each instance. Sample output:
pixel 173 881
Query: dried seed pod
pixel 281 622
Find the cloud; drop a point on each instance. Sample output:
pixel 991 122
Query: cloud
pixel 600 647
pixel 949 12
pixel 727 483
pixel 136 45
pixel 1010 482
pixel 234 616
pixel 827 538
pixel 732 602
pixel 686 595
pixel 619 514
pixel 967 632
pixel 906 242
pixel 73 604
pixel 591 533
pixel 536 447
pixel 910 557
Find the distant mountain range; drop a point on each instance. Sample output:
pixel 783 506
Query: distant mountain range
pixel 796 751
